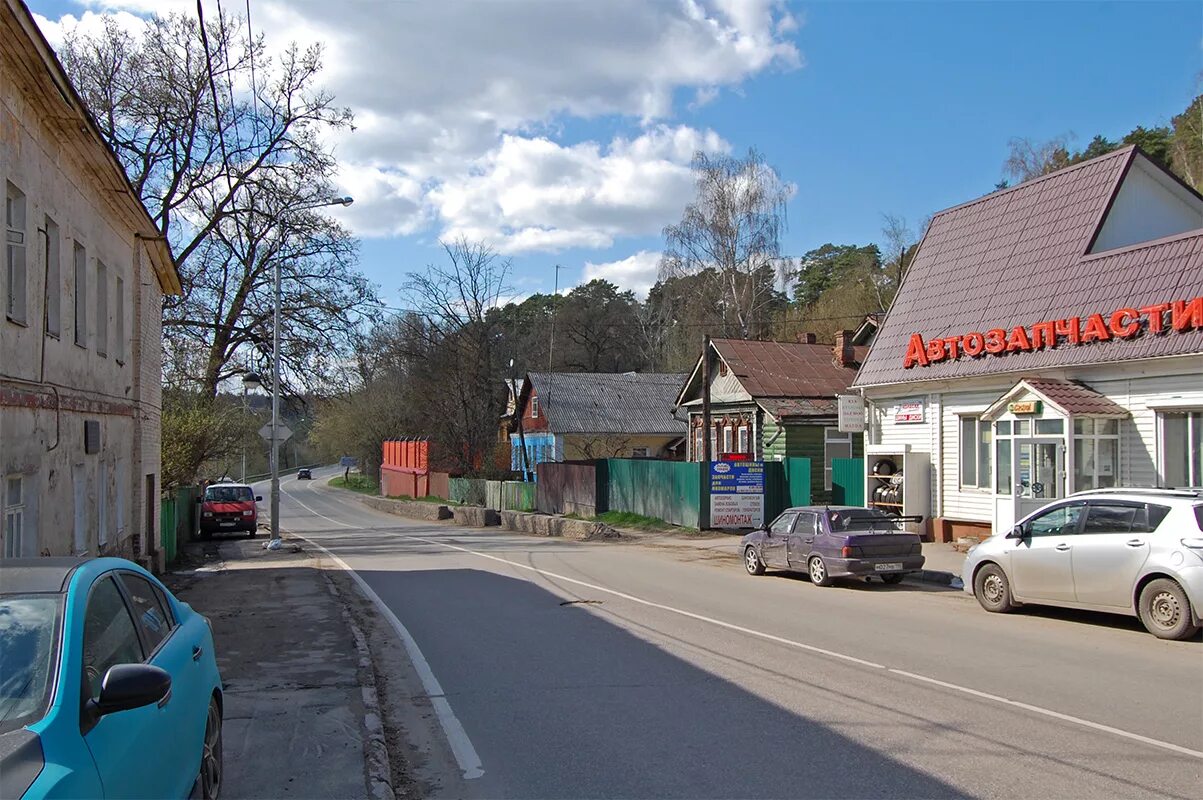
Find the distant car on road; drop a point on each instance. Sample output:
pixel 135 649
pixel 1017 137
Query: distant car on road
pixel 228 507
pixel 304 475
pixel 829 542
pixel 109 685
pixel 1127 551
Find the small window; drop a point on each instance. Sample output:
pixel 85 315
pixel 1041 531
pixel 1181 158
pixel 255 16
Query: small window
pixel 534 407
pixel 14 516
pixel 783 524
pixel 976 444
pixel 638 452
pixel 102 308
pixel 744 436
pixel 119 320
pixel 54 280
pixel 728 438
pixel 152 619
pixel 109 635
pixel 81 295
pixel 1049 427
pixel 722 368
pixel 15 242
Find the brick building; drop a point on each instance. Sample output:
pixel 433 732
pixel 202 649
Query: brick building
pixel 85 271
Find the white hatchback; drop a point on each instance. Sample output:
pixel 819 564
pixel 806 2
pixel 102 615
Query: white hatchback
pixel 1129 551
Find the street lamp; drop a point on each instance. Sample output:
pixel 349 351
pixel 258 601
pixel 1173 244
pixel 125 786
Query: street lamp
pixel 275 425
pixel 250 382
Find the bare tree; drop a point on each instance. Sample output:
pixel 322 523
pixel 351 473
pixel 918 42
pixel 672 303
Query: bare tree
pixel 1028 159
pixel 221 144
pixel 731 233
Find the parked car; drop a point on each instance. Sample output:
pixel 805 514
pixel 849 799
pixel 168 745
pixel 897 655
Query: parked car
pixel 109 686
pixel 1127 551
pixel 829 542
pixel 228 507
pixel 304 475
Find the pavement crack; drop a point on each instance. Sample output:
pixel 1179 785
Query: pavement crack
pixel 581 603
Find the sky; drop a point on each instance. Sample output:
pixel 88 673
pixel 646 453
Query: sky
pixel 561 132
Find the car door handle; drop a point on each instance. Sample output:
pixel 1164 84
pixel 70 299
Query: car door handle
pixel 1062 547
pixel 197 652
pixel 1135 542
pixel 808 541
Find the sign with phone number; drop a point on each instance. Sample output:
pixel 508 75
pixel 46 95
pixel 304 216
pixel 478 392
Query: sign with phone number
pixel 736 494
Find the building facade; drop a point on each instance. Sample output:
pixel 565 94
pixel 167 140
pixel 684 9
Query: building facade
pixel 575 416
pixel 775 400
pixel 80 342
pixel 1048 339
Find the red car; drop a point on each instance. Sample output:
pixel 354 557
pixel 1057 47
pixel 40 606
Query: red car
pixel 228 507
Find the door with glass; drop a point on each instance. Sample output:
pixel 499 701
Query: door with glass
pixel 1037 470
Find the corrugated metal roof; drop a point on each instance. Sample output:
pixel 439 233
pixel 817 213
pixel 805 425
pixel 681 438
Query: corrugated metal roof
pixel 1018 257
pixel 609 403
pixel 786 369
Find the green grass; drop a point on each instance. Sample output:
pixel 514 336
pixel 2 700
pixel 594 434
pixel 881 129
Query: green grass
pixel 430 499
pixel 626 519
pixel 357 483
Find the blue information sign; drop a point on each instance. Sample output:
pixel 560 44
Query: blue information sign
pixel 736 494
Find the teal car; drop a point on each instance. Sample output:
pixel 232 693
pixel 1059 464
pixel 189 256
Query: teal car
pixel 109 687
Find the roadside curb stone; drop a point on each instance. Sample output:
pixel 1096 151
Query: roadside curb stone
pixel 407 508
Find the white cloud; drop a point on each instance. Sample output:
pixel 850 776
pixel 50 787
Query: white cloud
pixel 459 105
pixel 533 194
pixel 636 272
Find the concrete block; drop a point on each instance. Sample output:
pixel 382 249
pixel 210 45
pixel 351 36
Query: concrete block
pixel 409 508
pixel 545 525
pixel 475 516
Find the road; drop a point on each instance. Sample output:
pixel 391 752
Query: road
pixel 571 669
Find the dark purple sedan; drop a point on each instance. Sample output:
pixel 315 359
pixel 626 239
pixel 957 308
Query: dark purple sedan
pixel 829 542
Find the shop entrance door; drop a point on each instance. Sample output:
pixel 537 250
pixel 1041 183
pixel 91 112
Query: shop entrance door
pixel 1038 474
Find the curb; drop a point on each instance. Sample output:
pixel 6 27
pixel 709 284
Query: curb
pixel 379 768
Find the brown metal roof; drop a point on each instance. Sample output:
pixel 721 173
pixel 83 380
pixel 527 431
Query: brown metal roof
pixel 1019 257
pixel 786 369
pixel 1070 397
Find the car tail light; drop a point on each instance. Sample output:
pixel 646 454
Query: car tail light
pixel 847 551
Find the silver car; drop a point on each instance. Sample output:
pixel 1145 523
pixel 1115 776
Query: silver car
pixel 1129 551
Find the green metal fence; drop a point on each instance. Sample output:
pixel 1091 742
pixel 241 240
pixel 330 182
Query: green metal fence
pixel 786 484
pixel 667 490
pixel 167 529
pixel 848 481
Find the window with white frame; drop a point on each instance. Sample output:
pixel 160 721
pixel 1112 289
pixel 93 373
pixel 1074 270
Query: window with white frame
pixel 14 253
pixel 697 444
pixel 534 407
pixel 744 439
pixel 638 452
pixel 119 320
pixel 54 280
pixel 728 438
pixel 1096 453
pixel 1181 448
pixel 81 295
pixel 14 516
pixel 713 441
pixel 836 444
pixel 975 445
pixel 102 308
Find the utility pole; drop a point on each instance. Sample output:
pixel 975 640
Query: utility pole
pixel 707 455
pixel 551 347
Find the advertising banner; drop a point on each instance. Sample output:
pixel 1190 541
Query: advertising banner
pixel 736 494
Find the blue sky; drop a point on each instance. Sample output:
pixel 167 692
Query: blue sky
pixel 868 108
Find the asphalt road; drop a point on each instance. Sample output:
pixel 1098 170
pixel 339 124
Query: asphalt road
pixel 606 669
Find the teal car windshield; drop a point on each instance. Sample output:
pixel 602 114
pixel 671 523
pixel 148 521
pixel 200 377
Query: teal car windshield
pixel 29 626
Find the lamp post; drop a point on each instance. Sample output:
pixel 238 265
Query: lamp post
pixel 275 425
pixel 250 382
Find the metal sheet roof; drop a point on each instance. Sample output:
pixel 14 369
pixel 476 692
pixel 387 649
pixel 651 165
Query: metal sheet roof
pixel 786 369
pixel 1070 397
pixel 609 403
pixel 1019 257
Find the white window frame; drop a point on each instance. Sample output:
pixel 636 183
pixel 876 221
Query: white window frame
pixel 1096 439
pixel 728 438
pixel 639 452
pixel 53 326
pixel 1194 417
pixel 697 443
pixel 534 407
pixel 981 478
pixel 14 515
pixel 745 438
pixel 80 293
pixel 834 436
pixel 16 239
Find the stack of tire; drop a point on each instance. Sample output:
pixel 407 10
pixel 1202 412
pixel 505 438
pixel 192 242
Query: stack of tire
pixel 890 492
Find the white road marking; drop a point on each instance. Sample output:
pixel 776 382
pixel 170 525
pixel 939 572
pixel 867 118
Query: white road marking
pixel 1186 751
pixel 461 746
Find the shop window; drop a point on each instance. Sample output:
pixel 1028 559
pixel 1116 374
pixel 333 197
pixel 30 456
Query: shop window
pixel 975 453
pixel 14 517
pixel 14 250
pixel 1096 453
pixel 836 444
pixel 1181 448
pixel 1002 484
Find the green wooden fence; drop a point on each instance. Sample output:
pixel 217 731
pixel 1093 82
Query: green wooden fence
pixel 517 496
pixel 667 490
pixel 167 529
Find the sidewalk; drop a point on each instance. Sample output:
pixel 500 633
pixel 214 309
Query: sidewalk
pixel 294 687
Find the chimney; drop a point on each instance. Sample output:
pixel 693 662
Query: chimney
pixel 807 338
pixel 845 356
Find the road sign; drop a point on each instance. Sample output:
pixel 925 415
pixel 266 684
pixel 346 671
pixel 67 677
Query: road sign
pixel 347 461
pixel 283 433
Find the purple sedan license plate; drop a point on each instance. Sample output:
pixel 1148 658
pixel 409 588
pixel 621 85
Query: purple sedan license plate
pixel 892 566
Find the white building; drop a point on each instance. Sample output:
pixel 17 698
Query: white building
pixel 84 275
pixel 1047 339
